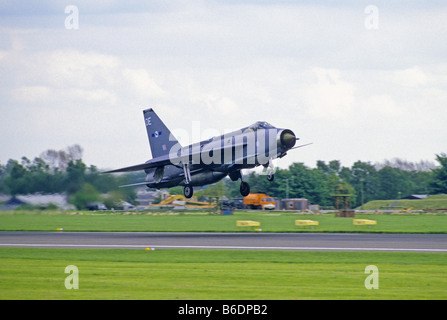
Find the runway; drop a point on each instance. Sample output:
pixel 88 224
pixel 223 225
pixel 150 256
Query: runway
pixel 240 241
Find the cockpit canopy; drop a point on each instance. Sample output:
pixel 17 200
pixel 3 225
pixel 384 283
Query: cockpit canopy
pixel 261 125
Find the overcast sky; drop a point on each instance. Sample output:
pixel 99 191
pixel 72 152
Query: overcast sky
pixel 362 80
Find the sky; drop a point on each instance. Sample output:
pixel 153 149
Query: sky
pixel 361 80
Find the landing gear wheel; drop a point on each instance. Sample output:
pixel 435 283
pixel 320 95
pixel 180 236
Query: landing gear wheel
pixel 245 189
pixel 188 191
pixel 270 177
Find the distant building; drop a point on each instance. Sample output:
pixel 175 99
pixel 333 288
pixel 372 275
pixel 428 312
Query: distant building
pixel 4 197
pixel 294 204
pixel 416 196
pixel 145 198
pixel 39 200
pixel 96 206
pixel 124 205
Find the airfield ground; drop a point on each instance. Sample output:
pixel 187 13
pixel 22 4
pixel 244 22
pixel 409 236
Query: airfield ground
pixel 36 273
pixel 219 274
pixel 174 221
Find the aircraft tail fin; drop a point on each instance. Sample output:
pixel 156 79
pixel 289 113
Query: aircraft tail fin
pixel 160 138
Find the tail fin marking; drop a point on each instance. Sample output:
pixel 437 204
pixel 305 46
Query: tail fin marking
pixel 160 138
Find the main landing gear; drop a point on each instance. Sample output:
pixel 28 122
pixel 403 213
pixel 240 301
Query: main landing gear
pixel 244 189
pixel 188 191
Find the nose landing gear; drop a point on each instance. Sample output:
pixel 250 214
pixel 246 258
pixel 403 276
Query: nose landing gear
pixel 269 168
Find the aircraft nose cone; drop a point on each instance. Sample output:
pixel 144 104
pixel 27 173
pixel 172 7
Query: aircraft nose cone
pixel 288 139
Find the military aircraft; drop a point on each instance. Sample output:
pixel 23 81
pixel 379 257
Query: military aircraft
pixel 209 161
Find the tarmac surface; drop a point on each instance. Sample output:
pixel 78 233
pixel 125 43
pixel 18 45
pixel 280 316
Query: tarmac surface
pixel 216 240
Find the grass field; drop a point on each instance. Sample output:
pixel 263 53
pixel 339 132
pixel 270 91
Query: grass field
pixel 430 203
pixel 219 274
pixel 270 222
pixel 27 273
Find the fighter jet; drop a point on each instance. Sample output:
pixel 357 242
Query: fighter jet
pixel 211 160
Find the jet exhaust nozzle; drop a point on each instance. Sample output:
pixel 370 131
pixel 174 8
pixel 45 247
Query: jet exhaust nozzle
pixel 287 139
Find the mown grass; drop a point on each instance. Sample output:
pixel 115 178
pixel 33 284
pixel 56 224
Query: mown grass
pixel 430 203
pixel 219 274
pixel 270 222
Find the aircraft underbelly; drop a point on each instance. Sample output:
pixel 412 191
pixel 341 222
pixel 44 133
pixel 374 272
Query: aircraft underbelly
pixel 172 177
pixel 206 177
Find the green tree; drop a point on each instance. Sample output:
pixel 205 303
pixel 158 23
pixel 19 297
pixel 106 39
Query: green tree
pixel 176 190
pixel 113 199
pixel 216 190
pixel 75 176
pixel 364 180
pixel 439 180
pixel 102 182
pixel 393 183
pixel 61 171
pixel 3 188
pixel 16 178
pixel 328 185
pixel 421 181
pixel 333 167
pixel 86 195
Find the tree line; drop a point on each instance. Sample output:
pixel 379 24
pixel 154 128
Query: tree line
pixel 364 181
pixel 64 171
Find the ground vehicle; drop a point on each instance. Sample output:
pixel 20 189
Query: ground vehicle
pixel 259 201
pixel 237 203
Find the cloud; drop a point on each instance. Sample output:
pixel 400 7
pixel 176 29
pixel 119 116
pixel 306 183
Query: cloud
pixel 329 96
pixel 413 77
pixel 312 67
pixel 381 106
pixel 86 78
pixel 31 94
pixel 71 96
pixel 141 83
pixel 74 68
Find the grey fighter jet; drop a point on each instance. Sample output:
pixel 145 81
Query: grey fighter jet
pixel 209 161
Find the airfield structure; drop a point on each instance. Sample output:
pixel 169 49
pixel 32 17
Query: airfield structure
pixel 180 201
pixel 342 200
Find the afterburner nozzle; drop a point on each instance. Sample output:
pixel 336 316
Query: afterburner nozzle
pixel 287 139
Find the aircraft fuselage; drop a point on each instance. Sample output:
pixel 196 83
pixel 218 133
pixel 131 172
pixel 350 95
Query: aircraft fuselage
pixel 211 160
